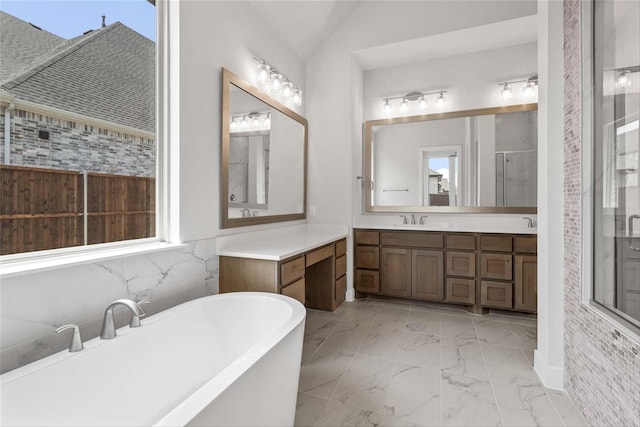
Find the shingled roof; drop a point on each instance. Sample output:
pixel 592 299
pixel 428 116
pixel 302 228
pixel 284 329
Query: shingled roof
pixel 21 44
pixel 107 74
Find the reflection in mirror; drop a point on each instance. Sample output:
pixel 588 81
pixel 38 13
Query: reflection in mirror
pixel 477 160
pixel 263 157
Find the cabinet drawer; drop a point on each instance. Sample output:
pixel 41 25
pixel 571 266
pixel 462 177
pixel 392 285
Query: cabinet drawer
pixel 418 239
pixel 341 266
pixel 461 290
pixel 341 247
pixel 465 242
pixel 367 237
pixel 367 257
pixel 496 243
pixel 295 290
pixel 496 266
pixel 526 245
pixel 496 294
pixel 461 264
pixel 367 281
pixel 319 254
pixel 291 270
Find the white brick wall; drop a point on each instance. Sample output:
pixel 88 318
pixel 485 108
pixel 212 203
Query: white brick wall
pixel 76 146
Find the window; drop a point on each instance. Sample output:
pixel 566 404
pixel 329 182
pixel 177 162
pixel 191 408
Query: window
pixel 79 152
pixel 615 159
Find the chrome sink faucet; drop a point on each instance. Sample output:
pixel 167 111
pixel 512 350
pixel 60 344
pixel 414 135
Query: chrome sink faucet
pixel 109 324
pixel 529 221
pixel 413 218
pixel 246 213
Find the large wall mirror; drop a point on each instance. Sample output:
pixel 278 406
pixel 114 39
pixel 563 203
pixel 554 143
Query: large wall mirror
pixel 264 157
pixel 465 161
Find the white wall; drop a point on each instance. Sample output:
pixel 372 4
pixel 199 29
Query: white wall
pixel 471 80
pixel 549 356
pixel 211 35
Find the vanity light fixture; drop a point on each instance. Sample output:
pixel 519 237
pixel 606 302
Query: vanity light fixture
pixel 528 89
pixel 274 82
pixel 420 97
pixel 252 121
pixel 624 79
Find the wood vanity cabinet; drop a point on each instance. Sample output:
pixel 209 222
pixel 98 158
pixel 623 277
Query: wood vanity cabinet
pixel 474 269
pixel 317 278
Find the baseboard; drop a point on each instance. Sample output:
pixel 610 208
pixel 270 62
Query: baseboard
pixel 551 376
pixel 351 294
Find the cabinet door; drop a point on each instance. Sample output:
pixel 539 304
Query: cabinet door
pixel 367 281
pixel 367 257
pixel 396 272
pixel 496 266
pixel 526 283
pixel 427 275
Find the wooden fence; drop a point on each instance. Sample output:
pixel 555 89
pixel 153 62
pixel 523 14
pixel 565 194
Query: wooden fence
pixel 44 208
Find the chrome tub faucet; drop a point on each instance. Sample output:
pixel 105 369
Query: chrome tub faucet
pixel 108 323
pixel 76 340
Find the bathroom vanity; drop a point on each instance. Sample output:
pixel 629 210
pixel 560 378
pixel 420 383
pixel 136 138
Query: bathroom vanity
pixel 479 270
pixel 307 262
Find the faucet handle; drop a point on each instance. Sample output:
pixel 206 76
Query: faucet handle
pixel 404 219
pixel 76 340
pixel 135 319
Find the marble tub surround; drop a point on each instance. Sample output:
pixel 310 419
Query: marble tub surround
pixel 472 223
pixel 381 363
pixel 81 293
pixel 279 243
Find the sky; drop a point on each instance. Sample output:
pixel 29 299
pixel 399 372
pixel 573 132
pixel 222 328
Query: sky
pixel 71 18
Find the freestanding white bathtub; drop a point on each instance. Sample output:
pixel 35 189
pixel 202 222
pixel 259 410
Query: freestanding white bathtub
pixel 231 359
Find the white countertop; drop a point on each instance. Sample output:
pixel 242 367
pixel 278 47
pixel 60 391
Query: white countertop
pixel 280 243
pixel 477 224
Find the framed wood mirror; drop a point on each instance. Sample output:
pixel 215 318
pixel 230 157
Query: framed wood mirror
pixel 264 157
pixel 482 161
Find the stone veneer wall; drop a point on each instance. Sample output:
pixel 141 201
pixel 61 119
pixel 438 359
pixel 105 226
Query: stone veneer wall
pixel 77 146
pixel 602 365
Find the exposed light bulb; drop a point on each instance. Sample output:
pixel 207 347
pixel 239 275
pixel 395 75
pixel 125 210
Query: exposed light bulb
pixel 263 73
pixel 276 81
pixel 267 120
pixel 505 92
pixel 528 91
pixel 386 107
pixel 296 98
pixel 243 122
pixel 422 103
pixel 255 123
pixel 623 79
pixel 233 124
pixel 441 100
pixel 286 90
pixel 404 105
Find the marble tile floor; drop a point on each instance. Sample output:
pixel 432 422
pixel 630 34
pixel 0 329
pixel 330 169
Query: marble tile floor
pixel 382 363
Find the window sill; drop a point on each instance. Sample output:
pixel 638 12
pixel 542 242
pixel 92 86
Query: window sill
pixel 50 261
